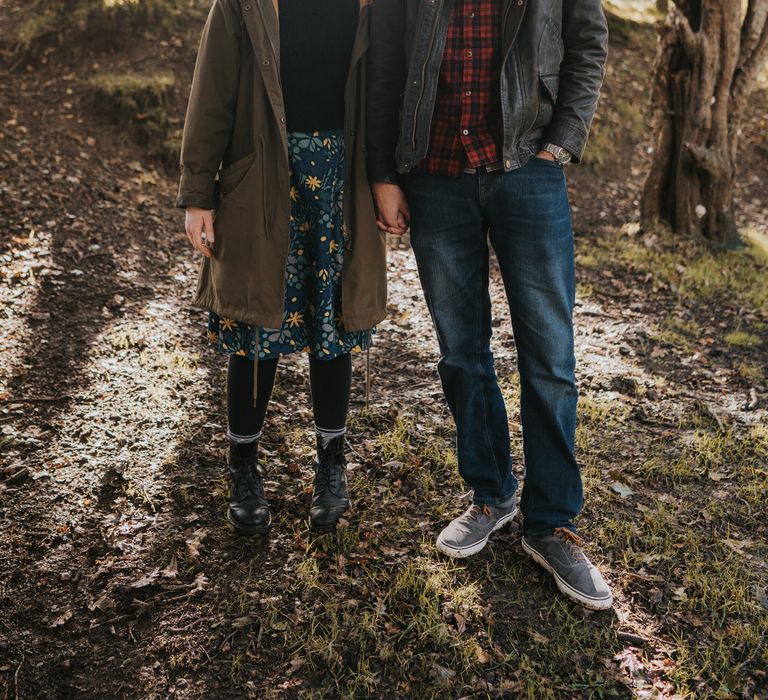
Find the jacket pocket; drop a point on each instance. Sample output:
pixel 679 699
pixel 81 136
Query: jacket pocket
pixel 232 175
pixel 551 48
pixel 550 83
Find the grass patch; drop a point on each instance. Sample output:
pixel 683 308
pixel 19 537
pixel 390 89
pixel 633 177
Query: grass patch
pixel 42 23
pixel 742 339
pixel 689 268
pixel 702 453
pixel 754 373
pixel 706 273
pixel 142 101
pixel 620 121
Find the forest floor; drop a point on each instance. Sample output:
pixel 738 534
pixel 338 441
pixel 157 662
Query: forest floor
pixel 119 576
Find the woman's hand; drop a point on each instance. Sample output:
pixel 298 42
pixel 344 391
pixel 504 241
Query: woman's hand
pixel 199 227
pixel 392 212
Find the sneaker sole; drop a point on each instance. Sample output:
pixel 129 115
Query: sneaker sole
pixel 241 529
pixel 564 587
pixel 477 546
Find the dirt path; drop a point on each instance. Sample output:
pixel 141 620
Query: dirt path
pixel 119 576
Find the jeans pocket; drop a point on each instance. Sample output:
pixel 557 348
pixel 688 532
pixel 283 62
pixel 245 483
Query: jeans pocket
pixel 547 161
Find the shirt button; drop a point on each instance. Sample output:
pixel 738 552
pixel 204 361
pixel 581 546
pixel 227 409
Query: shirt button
pixel 469 54
pixel 468 93
pixel 465 132
pixel 472 15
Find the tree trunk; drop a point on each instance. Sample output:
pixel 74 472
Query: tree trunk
pixel 707 62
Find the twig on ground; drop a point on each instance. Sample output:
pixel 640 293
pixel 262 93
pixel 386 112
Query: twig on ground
pixel 16 678
pixel 632 638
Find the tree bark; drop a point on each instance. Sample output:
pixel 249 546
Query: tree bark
pixel 708 58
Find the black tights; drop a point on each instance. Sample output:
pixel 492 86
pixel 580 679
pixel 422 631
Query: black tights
pixel 329 380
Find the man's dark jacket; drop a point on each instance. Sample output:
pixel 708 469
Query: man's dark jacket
pixel 554 55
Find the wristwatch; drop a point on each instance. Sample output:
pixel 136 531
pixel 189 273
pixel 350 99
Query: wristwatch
pixel 561 155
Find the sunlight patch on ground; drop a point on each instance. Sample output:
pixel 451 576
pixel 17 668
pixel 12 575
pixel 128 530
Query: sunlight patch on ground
pixel 21 267
pixel 759 240
pixel 635 10
pixel 123 427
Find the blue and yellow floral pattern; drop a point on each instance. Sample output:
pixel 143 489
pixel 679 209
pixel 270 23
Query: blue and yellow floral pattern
pixel 312 321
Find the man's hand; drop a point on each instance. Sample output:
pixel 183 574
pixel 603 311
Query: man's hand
pixel 545 155
pixel 199 227
pixel 392 212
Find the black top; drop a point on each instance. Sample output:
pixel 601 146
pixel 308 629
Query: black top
pixel 316 38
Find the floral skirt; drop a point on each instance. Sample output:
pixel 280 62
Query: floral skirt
pixel 312 321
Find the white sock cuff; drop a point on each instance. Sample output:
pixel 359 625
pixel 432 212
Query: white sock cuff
pixel 243 439
pixel 334 433
pixel 327 435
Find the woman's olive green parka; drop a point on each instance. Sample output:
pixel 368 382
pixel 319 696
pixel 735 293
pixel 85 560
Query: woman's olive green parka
pixel 234 160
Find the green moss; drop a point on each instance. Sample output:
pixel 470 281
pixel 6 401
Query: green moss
pixel 619 120
pixel 750 371
pixel 692 269
pixel 42 22
pixel 742 339
pixel 142 100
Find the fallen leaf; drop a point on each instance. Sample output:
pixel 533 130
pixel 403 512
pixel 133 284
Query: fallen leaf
pixel 737 546
pixel 622 489
pixel 679 593
pixel 146 580
pixel 195 542
pixel 482 655
pixel 62 619
pixel 104 603
pixel 171 570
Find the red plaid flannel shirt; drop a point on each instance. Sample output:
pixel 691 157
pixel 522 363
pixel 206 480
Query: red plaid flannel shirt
pixel 466 123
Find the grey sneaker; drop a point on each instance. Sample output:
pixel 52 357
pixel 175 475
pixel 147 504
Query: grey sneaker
pixel 575 576
pixel 468 534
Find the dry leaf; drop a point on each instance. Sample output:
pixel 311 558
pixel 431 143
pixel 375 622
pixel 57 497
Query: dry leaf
pixel 622 489
pixel 171 570
pixel 482 655
pixel 62 619
pixel 146 580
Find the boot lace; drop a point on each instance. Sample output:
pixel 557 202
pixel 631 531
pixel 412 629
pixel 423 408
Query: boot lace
pixel 476 511
pixel 572 541
pixel 327 478
pixel 248 482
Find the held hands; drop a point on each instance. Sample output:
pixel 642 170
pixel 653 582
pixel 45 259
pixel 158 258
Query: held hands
pixel 199 227
pixel 392 212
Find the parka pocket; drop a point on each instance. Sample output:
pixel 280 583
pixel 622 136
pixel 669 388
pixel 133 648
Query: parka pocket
pixel 237 216
pixel 233 174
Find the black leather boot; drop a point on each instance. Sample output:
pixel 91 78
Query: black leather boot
pixel 330 498
pixel 248 509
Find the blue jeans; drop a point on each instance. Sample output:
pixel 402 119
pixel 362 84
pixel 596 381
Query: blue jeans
pixel 525 215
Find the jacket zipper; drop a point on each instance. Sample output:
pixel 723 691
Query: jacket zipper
pixel 263 185
pixel 423 77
